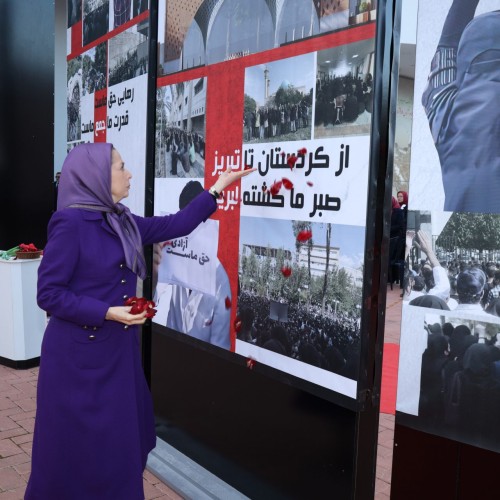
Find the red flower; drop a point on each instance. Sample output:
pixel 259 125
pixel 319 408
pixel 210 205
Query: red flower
pixel 286 271
pixel 28 248
pixel 248 167
pixel 304 235
pixel 140 305
pixel 291 161
pixel 264 188
pixel 237 324
pixel 228 303
pixel 287 184
pixel 302 151
pixel 309 183
pixel 250 363
pixel 275 188
pixel 283 153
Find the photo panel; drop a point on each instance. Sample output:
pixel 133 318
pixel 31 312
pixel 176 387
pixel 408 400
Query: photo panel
pixel 344 90
pixel 95 20
pixel 180 129
pixel 74 10
pixel 300 289
pixel 278 100
pixel 128 55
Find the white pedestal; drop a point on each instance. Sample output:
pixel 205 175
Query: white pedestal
pixel 22 322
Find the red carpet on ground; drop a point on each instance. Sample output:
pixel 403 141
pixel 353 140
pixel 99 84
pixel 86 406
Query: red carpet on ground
pixel 388 391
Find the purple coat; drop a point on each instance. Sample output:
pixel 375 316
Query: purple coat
pixel 94 424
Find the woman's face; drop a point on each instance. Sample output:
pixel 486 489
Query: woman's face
pixel 120 177
pixel 400 198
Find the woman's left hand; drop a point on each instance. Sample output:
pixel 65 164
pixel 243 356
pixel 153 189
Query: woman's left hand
pixel 229 176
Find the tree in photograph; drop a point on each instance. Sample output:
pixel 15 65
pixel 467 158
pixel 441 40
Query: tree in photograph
pixel 471 231
pixel 250 104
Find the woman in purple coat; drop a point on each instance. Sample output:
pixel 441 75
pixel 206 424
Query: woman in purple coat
pixel 94 425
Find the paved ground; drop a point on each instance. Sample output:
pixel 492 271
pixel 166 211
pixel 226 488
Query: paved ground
pixel 17 416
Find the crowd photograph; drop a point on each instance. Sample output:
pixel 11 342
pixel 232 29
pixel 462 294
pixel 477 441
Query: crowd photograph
pixel 460 379
pixel 180 130
pixel 344 90
pixel 94 65
pixel 278 100
pixel 301 300
pixel 95 19
pixel 128 56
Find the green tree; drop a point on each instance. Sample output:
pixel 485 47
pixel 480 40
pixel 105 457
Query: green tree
pixel 470 231
pixel 250 104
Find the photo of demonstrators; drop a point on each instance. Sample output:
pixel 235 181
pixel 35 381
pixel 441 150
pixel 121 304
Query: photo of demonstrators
pixel 201 32
pixel 278 100
pixel 344 90
pixel 459 395
pixel 453 263
pixel 94 64
pixel 74 12
pixel 302 299
pixel 191 285
pixel 457 74
pixel 95 19
pixel 121 12
pixel 139 6
pixel 73 96
pixel 180 129
pixel 128 55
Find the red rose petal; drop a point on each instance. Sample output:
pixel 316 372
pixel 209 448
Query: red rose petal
pixel 264 189
pixel 302 151
pixel 310 184
pixel 275 188
pixel 283 153
pixel 228 303
pixel 250 363
pixel 166 243
pixel 287 184
pixel 304 235
pixel 286 271
pixel 291 161
pixel 248 167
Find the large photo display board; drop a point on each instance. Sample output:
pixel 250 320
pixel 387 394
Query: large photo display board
pixel 107 66
pixel 276 274
pixel 449 382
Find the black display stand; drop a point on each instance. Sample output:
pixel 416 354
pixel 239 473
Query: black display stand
pixel 263 432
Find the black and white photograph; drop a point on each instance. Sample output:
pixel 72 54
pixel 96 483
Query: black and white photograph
pixel 94 65
pixel 180 129
pixel 73 97
pixel 95 20
pixel 128 55
pixel 450 320
pixel 344 90
pixel 278 100
pixel 459 394
pixel 300 286
pixel 74 12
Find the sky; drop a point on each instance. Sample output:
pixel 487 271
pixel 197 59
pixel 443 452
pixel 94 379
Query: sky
pixel 279 234
pixel 299 71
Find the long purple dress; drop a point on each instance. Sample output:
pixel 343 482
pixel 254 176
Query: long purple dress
pixel 94 424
